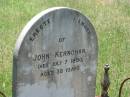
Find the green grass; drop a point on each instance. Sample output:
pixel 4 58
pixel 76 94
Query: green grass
pixel 112 24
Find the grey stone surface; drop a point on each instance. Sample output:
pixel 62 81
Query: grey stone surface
pixel 56 56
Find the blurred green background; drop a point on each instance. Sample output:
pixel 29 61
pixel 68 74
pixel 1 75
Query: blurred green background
pixel 111 19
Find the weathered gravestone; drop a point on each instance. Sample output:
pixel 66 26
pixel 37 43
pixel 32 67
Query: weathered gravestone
pixel 56 56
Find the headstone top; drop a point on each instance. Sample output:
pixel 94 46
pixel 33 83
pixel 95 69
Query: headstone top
pixel 35 19
pixel 56 55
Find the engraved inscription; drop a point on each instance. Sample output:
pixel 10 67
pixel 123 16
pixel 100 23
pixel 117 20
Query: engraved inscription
pixel 40 57
pixel 73 57
pixel 36 32
pixel 69 52
pixel 62 39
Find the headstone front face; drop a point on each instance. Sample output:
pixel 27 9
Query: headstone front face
pixel 56 56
